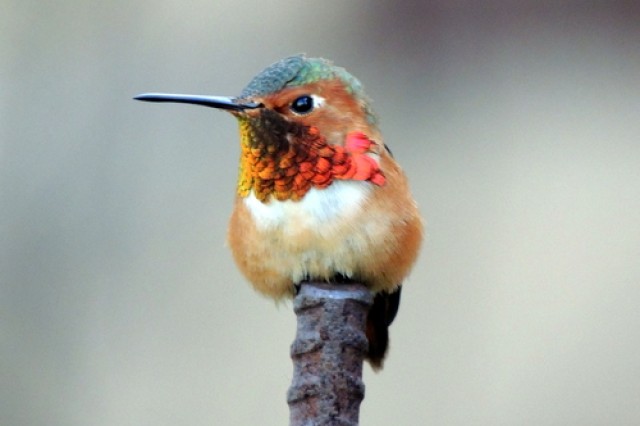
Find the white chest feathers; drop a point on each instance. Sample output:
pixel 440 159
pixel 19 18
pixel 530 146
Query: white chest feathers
pixel 318 209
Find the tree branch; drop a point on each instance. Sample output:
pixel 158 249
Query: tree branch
pixel 328 353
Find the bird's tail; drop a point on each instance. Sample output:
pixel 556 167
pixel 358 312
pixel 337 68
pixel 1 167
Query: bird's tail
pixel 381 315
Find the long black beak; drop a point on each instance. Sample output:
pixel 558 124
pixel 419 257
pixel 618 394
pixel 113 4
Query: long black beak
pixel 220 102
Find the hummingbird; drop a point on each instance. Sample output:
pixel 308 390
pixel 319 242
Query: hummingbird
pixel 319 195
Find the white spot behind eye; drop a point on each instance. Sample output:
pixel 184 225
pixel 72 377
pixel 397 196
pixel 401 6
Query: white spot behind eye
pixel 318 101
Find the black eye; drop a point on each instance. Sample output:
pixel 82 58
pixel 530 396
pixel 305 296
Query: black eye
pixel 302 105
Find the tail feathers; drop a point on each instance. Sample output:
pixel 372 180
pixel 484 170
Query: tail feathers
pixel 383 311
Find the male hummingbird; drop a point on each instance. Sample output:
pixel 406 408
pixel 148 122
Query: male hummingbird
pixel 319 195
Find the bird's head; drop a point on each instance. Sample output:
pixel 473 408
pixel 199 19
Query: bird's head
pixel 302 123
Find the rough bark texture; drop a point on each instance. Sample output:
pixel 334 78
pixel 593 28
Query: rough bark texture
pixel 328 353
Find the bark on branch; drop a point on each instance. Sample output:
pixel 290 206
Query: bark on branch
pixel 328 353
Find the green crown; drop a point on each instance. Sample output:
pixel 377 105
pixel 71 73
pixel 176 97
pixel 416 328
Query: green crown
pixel 299 70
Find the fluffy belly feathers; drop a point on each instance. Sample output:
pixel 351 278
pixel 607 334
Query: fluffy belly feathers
pixel 342 229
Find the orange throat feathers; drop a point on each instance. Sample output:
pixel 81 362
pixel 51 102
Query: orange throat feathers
pixel 285 160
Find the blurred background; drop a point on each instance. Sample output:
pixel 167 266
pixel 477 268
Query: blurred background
pixel 518 128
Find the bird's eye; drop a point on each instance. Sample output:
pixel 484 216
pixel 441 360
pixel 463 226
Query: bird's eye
pixel 303 104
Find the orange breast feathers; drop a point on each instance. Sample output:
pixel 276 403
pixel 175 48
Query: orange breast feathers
pixel 309 162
